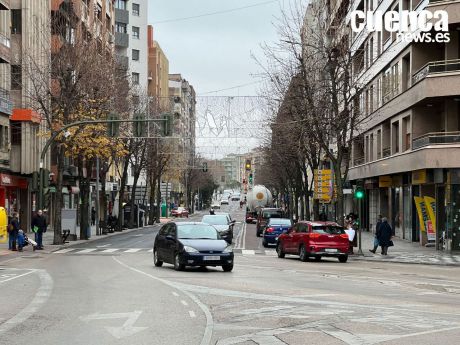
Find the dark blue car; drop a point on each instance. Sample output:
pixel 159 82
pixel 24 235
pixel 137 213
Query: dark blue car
pixel 274 228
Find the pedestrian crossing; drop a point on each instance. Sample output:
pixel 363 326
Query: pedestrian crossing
pixel 415 258
pixel 249 252
pixel 109 251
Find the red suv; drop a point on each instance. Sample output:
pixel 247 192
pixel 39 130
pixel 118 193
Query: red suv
pixel 314 239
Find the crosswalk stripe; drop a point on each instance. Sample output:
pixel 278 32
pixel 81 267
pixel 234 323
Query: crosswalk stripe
pixel 63 251
pixel 111 250
pixel 248 252
pixel 89 250
pixel 132 250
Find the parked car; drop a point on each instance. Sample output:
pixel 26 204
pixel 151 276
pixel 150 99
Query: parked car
pixel 215 206
pixel 191 244
pixel 236 197
pixel 224 201
pixel 275 227
pixel 222 223
pixel 314 239
pixel 179 212
pixel 251 217
pixel 264 215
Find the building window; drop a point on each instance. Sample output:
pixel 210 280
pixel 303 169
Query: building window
pixel 16 77
pixel 121 28
pixel 135 78
pixel 16 21
pixel 136 31
pixel 121 4
pixel 136 9
pixel 135 55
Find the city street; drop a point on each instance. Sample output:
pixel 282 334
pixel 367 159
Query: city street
pixel 109 292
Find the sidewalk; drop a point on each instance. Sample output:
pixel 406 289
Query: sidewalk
pixel 405 252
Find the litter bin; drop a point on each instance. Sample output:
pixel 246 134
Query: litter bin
pixel 164 210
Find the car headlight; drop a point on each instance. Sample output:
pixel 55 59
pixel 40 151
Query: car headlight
pixel 229 249
pixel 189 249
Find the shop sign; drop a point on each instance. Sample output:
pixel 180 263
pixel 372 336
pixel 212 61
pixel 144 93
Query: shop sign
pixel 323 188
pixel 13 181
pixel 385 181
pixel 426 210
pixel 419 176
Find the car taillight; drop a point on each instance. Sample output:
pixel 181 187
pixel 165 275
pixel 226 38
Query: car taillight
pixel 314 235
pixel 344 236
pixel 269 230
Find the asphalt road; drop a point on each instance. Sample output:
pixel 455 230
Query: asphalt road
pixel 109 292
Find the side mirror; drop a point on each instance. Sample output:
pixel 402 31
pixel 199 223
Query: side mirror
pixel 233 222
pixel 170 238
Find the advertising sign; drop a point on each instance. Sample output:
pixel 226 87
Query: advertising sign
pixel 430 204
pixel 3 225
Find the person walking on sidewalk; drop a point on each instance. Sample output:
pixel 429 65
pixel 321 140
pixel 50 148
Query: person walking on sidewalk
pixel 351 236
pixel 384 236
pixel 13 229
pixel 39 227
pixel 377 231
pixel 93 216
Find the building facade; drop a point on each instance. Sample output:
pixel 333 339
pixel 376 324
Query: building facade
pixel 407 151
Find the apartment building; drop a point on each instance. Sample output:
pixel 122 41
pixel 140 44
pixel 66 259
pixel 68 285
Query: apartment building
pixel 20 23
pixel 407 149
pixel 158 67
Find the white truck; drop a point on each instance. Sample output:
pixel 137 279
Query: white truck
pixel 258 197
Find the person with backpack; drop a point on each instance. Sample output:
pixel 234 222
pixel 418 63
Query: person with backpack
pixel 39 227
pixel 13 229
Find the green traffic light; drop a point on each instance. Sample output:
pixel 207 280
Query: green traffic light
pixel 359 194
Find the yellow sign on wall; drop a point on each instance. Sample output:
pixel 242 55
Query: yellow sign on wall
pixel 419 176
pixel 385 181
pixel 3 225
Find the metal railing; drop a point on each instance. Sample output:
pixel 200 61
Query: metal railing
pixel 5 41
pixel 6 106
pixel 436 67
pixel 436 138
pixel 358 161
pixel 386 152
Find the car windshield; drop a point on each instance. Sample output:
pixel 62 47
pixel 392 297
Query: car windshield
pixel 328 230
pixel 272 214
pixel 215 220
pixel 197 231
pixel 280 221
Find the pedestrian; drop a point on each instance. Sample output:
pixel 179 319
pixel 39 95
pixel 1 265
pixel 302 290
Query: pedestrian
pixel 351 236
pixel 93 216
pixel 376 240
pixel 13 228
pixel 39 227
pixel 384 236
pixel 20 239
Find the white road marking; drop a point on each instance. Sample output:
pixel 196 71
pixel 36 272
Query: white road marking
pixel 175 294
pixel 133 250
pixel 13 276
pixel 138 235
pixel 88 250
pixel 244 235
pixel 248 252
pixel 206 339
pixel 111 250
pixel 104 246
pixel 63 251
pixel 192 313
pixel 41 296
pixel 126 330
pixel 184 303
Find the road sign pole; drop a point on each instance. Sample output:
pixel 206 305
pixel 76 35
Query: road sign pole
pixel 360 229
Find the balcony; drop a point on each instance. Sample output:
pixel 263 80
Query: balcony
pixel 122 62
pixel 122 16
pixel 452 7
pixel 121 39
pixel 5 49
pixel 6 106
pixel 4 5
pixel 436 138
pixel 436 67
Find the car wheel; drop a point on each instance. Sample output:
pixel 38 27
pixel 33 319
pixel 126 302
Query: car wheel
pixel 177 265
pixel 156 261
pixel 279 251
pixel 318 258
pixel 343 258
pixel 227 268
pixel 264 243
pixel 303 253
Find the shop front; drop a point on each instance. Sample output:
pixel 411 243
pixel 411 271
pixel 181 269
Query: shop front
pixel 14 196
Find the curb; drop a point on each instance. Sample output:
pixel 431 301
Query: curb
pixel 399 261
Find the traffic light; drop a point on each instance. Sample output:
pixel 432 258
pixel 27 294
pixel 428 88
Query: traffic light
pixel 205 167
pixel 250 178
pixel 139 126
pixel 113 128
pixel 248 165
pixel 167 125
pixel 359 193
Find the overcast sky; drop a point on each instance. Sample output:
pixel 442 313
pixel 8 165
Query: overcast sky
pixel 213 52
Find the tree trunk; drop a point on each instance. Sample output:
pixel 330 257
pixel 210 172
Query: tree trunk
pixel 103 198
pixel 159 198
pixel 121 193
pixel 57 226
pixel 152 201
pixel 339 205
pixel 133 198
pixel 85 194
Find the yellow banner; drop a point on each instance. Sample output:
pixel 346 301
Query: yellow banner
pixel 430 204
pixel 3 226
pixel 421 211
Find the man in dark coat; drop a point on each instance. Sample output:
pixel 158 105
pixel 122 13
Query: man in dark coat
pixel 39 227
pixel 384 235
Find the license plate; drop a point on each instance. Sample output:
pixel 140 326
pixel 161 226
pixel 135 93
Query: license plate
pixel 211 258
pixel 329 250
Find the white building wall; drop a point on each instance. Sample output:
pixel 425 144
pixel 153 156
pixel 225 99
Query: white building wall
pixel 140 44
